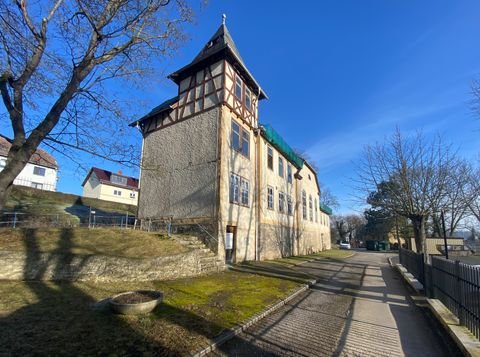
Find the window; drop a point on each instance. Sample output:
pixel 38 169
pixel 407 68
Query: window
pixel 289 205
pixel 281 202
pixel 239 190
pixel 37 185
pixel 245 142
pixel 280 167
pixel 238 88
pixel 235 136
pixel 234 188
pixel 2 164
pixel 289 174
pixel 270 157
pixel 304 204
pixel 39 171
pixel 316 211
pixel 270 197
pixel 117 192
pixel 132 194
pixel 240 139
pixel 244 191
pixel 119 180
pixel 248 98
pixel 310 205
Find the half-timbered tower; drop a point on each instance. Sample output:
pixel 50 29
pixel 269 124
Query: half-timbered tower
pixel 206 162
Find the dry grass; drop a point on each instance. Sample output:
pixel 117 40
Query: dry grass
pixel 47 318
pixel 102 241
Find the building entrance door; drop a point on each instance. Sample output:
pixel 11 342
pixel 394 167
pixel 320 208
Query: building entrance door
pixel 230 244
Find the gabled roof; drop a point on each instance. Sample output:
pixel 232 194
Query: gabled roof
pixel 166 105
pixel 40 157
pixel 219 46
pixel 104 176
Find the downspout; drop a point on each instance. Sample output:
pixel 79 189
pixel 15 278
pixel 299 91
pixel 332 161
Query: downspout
pixel 258 172
pixel 258 201
pixel 141 165
pixel 218 186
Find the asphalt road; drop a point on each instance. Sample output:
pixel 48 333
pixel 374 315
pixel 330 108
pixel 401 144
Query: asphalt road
pixel 359 307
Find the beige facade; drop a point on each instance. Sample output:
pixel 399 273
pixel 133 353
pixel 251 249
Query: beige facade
pixel 207 162
pixel 108 186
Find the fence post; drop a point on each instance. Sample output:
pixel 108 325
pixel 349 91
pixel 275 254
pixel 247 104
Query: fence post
pixel 421 268
pixel 459 288
pixel 400 255
pixel 14 219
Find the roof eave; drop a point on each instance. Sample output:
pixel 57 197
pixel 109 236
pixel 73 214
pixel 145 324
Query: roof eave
pixel 177 76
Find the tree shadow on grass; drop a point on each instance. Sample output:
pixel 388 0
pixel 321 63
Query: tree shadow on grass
pixel 61 319
pixel 272 270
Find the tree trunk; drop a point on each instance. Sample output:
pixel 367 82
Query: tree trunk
pixel 418 223
pixel 11 170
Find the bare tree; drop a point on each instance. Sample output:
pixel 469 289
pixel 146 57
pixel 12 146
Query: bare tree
pixel 327 198
pixel 413 174
pixel 456 204
pixel 471 191
pixel 56 58
pixel 348 226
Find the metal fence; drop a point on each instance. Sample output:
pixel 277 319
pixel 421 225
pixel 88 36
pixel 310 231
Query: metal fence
pixel 413 262
pixel 14 219
pixel 455 284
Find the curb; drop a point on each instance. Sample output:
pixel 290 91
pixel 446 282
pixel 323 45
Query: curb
pixel 464 339
pixel 231 333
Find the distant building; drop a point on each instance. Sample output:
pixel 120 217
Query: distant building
pixel 208 164
pixel 40 171
pixel 109 186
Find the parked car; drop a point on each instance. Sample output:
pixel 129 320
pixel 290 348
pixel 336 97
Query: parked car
pixel 345 245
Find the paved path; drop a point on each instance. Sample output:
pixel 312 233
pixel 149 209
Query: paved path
pixel 358 308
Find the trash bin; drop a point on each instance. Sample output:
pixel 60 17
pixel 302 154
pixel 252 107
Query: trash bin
pixel 372 245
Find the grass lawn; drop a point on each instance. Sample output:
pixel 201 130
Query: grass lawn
pixel 103 241
pixel 48 318
pixel 26 199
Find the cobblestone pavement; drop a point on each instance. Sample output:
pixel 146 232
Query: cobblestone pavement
pixel 359 307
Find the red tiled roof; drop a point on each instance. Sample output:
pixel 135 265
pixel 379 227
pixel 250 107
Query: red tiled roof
pixel 104 177
pixel 39 157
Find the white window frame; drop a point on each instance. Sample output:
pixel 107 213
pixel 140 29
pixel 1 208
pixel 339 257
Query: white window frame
pixel 270 198
pixel 281 202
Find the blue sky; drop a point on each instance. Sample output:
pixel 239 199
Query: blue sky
pixel 341 75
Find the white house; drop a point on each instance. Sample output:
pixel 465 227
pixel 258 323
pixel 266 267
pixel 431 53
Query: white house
pixel 109 186
pixel 40 171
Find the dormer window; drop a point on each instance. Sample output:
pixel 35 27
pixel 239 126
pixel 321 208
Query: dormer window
pixel 119 180
pixel 238 87
pixel 248 99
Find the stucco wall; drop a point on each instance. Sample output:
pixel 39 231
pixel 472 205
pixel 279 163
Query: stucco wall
pixel 94 189
pixel 179 169
pixel 242 217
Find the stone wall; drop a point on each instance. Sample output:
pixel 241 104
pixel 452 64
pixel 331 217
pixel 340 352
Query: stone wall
pixel 49 266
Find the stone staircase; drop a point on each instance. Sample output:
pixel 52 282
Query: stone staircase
pixel 208 261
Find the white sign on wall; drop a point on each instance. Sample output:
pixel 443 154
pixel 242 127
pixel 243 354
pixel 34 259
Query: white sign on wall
pixel 229 241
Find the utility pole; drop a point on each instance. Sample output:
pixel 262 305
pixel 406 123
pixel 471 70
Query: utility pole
pixel 444 234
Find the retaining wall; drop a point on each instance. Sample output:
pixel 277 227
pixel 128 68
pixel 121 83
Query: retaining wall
pixel 50 266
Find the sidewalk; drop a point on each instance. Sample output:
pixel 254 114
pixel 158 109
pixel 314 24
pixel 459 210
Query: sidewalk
pixel 359 307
